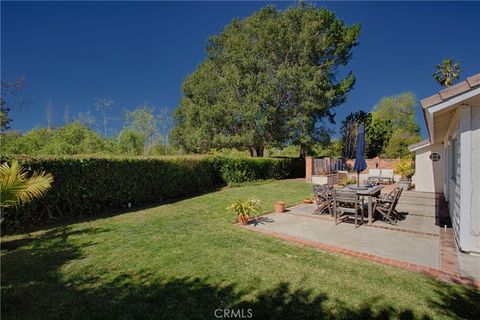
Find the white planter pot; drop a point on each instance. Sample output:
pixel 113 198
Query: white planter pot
pixel 404 184
pixel 328 179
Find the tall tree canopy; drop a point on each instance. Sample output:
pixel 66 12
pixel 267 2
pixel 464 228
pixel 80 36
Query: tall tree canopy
pixel 390 128
pixel 268 80
pixel 393 126
pixel 348 132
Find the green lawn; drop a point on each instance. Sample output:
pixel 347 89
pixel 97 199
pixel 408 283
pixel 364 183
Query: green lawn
pixel 185 259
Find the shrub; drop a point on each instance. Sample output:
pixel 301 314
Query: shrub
pixel 87 186
pixel 405 168
pixel 238 170
pixel 90 186
pixel 345 181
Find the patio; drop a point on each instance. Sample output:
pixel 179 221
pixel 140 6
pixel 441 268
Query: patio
pixel 421 241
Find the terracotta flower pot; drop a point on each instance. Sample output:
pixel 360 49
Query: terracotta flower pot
pixel 279 206
pixel 243 220
pixel 307 201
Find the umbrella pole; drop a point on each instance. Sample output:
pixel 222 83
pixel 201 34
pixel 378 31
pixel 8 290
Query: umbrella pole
pixel 358 178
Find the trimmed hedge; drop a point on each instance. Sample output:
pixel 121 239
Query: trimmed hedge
pixel 237 170
pixel 85 186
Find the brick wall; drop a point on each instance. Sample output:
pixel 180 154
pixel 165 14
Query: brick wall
pixel 375 163
pixel 308 168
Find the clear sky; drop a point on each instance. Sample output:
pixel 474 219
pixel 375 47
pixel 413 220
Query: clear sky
pixel 136 52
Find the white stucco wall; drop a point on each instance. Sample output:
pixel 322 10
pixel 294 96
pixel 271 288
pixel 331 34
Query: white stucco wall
pixel 475 191
pixel 429 175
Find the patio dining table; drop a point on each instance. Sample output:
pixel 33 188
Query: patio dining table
pixel 369 192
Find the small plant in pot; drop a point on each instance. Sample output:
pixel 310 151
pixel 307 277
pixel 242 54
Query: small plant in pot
pixel 308 200
pixel 406 170
pixel 279 206
pixel 246 209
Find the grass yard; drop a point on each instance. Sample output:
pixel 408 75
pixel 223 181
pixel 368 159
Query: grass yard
pixel 185 259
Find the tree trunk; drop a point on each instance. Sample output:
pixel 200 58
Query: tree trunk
pixel 256 151
pixel 259 151
pixel 303 151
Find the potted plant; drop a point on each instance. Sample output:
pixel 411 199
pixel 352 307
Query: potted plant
pixel 245 209
pixel 406 170
pixel 279 206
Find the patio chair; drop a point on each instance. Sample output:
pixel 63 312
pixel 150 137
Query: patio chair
pixel 323 198
pixel 372 181
pixel 387 175
pixel 375 173
pixel 386 204
pixel 346 201
pixel 400 190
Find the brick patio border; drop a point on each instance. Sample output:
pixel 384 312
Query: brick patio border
pixel 450 274
pixel 448 251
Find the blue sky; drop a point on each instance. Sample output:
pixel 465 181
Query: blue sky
pixel 136 52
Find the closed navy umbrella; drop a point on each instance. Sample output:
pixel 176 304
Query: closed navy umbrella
pixel 360 163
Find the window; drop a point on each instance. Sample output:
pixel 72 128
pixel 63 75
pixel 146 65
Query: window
pixel 435 156
pixel 455 159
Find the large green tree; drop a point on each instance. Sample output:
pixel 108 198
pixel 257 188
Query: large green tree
pixel 393 126
pixel 131 142
pixel 268 80
pixel 378 134
pixel 143 120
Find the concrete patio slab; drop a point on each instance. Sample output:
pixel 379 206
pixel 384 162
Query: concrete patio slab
pixel 469 265
pixel 403 246
pixel 413 222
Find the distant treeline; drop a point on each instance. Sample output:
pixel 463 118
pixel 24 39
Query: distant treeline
pixel 75 138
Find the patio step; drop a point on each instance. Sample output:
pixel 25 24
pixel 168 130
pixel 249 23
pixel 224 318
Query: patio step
pixel 417 209
pixel 421 202
pixel 422 199
pixel 426 195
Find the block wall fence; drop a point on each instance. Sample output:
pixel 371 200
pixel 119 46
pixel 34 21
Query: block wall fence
pixel 375 163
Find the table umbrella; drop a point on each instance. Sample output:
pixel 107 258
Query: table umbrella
pixel 360 163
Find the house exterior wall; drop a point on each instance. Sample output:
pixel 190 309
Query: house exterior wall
pixel 475 190
pixel 462 176
pixel 452 175
pixel 429 176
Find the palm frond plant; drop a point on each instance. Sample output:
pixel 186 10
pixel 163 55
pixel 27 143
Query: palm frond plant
pixel 447 72
pixel 246 209
pixel 17 188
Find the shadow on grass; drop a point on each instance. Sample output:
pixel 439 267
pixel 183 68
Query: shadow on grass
pixel 456 302
pixel 34 287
